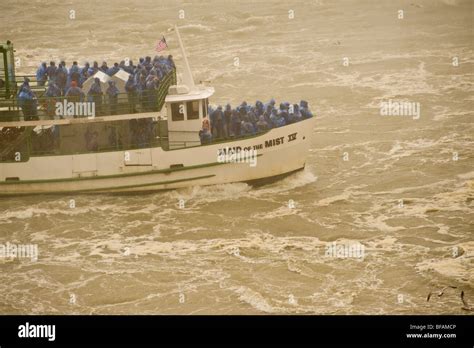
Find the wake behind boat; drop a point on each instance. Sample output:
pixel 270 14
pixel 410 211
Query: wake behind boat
pixel 142 139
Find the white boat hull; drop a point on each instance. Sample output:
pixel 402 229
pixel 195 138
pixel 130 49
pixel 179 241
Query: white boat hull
pixel 156 169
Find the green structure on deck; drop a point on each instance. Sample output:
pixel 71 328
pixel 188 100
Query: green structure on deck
pixel 7 72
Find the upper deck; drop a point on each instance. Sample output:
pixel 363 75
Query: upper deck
pixel 44 108
pixel 163 114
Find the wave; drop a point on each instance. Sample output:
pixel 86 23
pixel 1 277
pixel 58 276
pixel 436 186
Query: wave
pixel 254 299
pixel 247 29
pixel 195 28
pixel 454 267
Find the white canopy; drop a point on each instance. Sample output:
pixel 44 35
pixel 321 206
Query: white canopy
pixel 103 77
pixel 120 79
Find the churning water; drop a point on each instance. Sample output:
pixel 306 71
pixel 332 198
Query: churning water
pixel 401 186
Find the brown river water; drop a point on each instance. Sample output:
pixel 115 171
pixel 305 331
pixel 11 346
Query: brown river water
pixel 402 187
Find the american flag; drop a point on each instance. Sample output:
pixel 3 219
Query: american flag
pixel 161 45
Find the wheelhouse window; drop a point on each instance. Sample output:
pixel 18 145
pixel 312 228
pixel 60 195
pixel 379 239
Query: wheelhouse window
pixel 177 112
pixel 192 109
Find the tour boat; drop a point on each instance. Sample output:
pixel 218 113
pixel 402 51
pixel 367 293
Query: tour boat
pixel 47 155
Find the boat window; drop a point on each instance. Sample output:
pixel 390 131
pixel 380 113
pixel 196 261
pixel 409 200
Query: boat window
pixel 19 144
pixel 204 107
pixel 192 109
pixel 177 111
pixel 44 140
pixel 14 144
pixel 143 133
pixel 109 136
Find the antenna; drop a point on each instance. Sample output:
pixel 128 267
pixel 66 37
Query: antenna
pixel 187 76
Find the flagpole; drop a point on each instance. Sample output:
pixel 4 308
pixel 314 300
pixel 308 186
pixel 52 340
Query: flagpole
pixel 188 76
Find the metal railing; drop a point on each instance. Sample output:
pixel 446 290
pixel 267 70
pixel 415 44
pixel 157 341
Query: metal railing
pixel 43 107
pixel 19 144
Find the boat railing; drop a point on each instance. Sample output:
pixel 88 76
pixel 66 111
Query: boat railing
pixel 182 144
pixel 29 142
pixel 44 108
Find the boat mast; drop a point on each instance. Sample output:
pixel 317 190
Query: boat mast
pixel 187 76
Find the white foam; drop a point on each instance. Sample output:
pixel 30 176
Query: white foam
pixel 456 268
pixel 254 299
pixel 468 175
pixel 333 199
